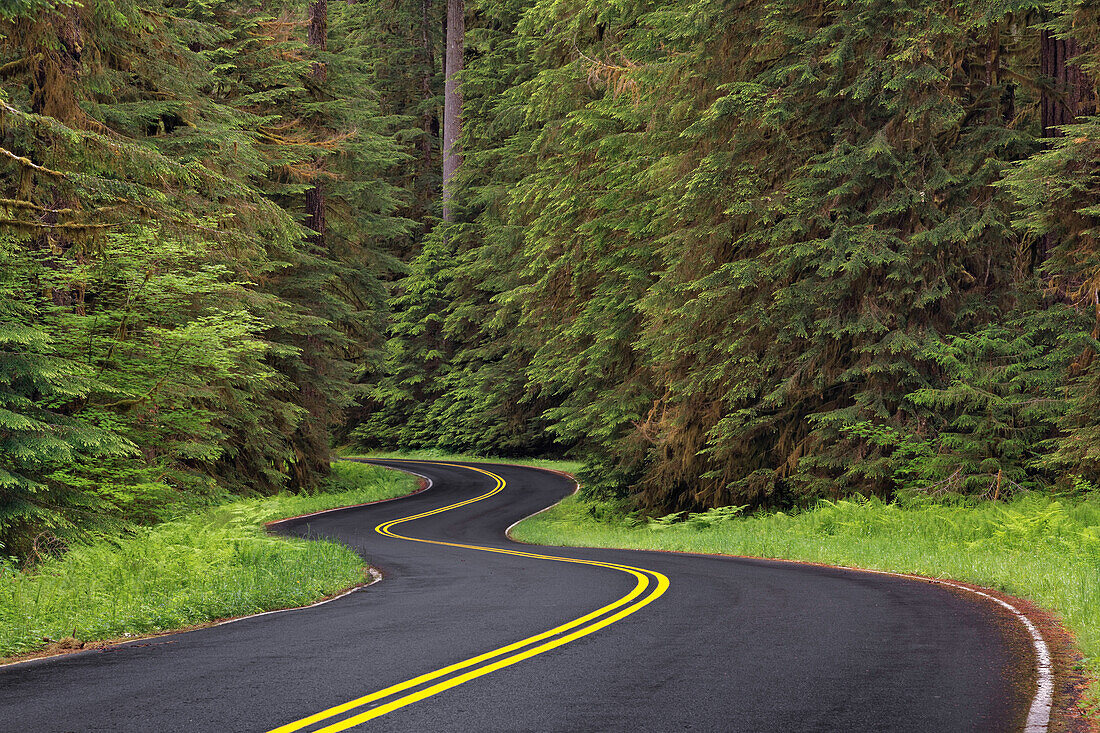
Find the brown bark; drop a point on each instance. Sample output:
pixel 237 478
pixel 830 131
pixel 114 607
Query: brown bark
pixel 310 437
pixel 317 37
pixel 315 209
pixel 427 117
pixel 452 99
pixel 58 68
pixel 1071 95
pixel 1068 97
pixel 52 95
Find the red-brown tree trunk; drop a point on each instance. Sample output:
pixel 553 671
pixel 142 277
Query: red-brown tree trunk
pixel 1071 95
pixel 452 99
pixel 428 120
pixel 317 37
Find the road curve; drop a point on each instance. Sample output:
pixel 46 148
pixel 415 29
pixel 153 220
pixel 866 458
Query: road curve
pixel 729 645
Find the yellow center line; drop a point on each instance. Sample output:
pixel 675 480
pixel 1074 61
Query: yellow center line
pixel 627 605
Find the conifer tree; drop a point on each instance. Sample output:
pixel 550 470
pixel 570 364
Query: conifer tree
pixel 153 187
pixel 39 435
pixel 791 322
pixel 1057 192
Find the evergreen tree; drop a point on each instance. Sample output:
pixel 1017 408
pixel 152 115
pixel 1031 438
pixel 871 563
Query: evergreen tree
pixel 154 199
pixel 852 255
pixel 39 434
pixel 1057 190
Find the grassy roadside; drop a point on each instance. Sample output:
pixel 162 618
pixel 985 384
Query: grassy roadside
pixel 1040 548
pixel 214 564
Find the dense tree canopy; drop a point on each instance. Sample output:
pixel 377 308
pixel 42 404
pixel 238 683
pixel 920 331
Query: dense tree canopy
pixel 172 328
pixel 760 253
pixel 751 253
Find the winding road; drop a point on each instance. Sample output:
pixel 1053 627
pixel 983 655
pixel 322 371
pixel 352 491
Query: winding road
pixel 469 631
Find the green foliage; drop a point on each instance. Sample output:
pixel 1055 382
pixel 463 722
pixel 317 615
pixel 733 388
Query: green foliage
pixel 994 423
pixel 454 375
pixel 39 436
pixel 206 566
pixel 724 273
pixel 184 333
pixel 1057 191
pixel 415 349
pixel 715 515
pixel 435 454
pixel 837 261
pixel 696 520
pixel 171 576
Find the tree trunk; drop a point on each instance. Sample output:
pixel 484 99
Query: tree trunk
pixel 1071 95
pixel 1068 97
pixel 52 95
pixel 452 99
pixel 315 208
pixel 428 121
pixel 317 34
pixel 58 69
pixel 317 37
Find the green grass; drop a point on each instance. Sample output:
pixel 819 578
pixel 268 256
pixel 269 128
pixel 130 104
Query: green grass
pixel 437 455
pixel 214 564
pixel 1035 547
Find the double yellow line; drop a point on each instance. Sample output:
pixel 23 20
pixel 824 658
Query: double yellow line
pixel 650 586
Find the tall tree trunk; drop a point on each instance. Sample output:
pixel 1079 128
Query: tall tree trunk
pixel 310 439
pixel 317 37
pixel 452 98
pixel 1069 97
pixel 52 95
pixel 428 121
pixel 58 68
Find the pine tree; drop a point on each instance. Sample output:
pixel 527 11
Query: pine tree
pixel 154 196
pixel 415 353
pixel 798 210
pixel 1057 192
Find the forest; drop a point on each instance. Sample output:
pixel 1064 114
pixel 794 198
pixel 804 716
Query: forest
pixel 759 253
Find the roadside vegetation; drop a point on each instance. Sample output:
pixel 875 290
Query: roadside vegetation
pixel 1043 548
pixel 212 564
pixel 555 464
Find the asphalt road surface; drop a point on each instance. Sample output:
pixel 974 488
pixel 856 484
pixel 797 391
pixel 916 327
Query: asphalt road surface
pixel 456 638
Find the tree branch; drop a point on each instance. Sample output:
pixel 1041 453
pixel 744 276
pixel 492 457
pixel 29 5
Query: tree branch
pixel 42 225
pixel 18 204
pixel 14 67
pixel 28 163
